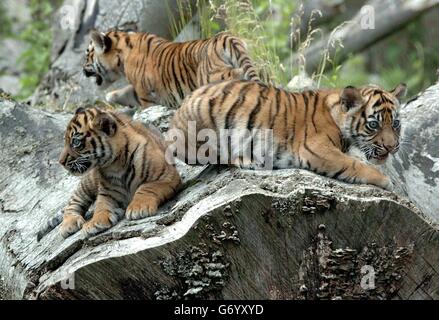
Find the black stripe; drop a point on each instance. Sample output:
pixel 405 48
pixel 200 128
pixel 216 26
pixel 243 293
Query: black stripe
pixel 211 106
pixel 332 141
pixel 338 173
pixel 316 100
pixel 255 111
pixel 129 164
pixel 238 103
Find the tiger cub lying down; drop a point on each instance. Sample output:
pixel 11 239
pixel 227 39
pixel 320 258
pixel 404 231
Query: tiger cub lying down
pixel 123 169
pixel 161 71
pixel 310 130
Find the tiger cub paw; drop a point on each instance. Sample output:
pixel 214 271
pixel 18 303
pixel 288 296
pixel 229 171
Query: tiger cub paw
pixel 100 222
pixel 387 184
pixel 139 209
pixel 112 97
pixel 71 224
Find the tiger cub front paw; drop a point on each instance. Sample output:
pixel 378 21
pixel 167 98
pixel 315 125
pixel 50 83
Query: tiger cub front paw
pixel 139 209
pixel 388 185
pixel 71 224
pixel 112 97
pixel 100 222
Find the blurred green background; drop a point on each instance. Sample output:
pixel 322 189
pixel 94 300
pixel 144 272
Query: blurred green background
pixel 410 55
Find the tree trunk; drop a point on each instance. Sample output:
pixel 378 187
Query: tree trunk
pixel 374 22
pixel 415 168
pixel 229 234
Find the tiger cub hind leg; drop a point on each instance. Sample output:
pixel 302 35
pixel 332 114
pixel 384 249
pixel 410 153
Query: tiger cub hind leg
pixel 224 74
pixel 125 97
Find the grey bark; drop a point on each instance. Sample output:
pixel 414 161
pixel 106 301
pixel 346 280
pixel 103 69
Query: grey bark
pixel 389 17
pixel 229 234
pixel 65 87
pixel 10 68
pixel 415 168
pixel 328 9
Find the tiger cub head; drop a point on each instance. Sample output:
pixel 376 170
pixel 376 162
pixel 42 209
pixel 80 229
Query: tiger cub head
pixel 103 58
pixel 369 119
pixel 89 140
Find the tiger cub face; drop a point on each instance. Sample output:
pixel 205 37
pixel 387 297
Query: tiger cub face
pixel 89 141
pixel 103 59
pixel 369 119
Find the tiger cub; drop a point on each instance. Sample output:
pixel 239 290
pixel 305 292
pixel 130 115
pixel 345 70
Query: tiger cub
pixel 160 71
pixel 310 130
pixel 123 169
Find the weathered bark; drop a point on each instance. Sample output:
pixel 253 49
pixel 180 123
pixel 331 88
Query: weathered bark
pixel 389 16
pixel 415 168
pixel 229 234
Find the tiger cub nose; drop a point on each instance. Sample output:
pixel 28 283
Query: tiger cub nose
pixel 389 146
pixel 63 158
pixel 87 72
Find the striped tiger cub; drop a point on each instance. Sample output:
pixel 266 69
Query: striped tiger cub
pixel 160 71
pixel 311 130
pixel 123 169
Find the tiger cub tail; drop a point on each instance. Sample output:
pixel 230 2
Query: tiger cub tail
pixel 239 58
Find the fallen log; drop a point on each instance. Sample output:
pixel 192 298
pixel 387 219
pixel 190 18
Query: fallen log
pixel 232 234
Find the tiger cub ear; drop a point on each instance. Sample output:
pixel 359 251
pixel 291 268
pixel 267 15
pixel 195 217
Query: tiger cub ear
pixel 351 98
pixel 400 91
pixel 79 110
pixel 101 42
pixel 105 123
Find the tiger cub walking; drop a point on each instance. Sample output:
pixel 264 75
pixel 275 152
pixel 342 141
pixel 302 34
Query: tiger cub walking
pixel 123 167
pixel 161 71
pixel 310 130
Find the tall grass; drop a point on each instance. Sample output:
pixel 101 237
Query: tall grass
pixel 239 18
pixel 266 47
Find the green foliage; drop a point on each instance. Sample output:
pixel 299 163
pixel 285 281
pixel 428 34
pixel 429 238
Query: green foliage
pixel 5 22
pixel 267 26
pixel 208 26
pixel 406 56
pixel 36 58
pixel 241 19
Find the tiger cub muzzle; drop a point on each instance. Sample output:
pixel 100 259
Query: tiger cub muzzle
pixel 76 165
pixel 90 72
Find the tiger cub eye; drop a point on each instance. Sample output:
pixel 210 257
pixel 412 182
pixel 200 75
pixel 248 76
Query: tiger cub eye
pixel 373 124
pixel 76 142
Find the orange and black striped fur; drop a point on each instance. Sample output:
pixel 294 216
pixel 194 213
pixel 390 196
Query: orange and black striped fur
pixel 123 169
pixel 160 71
pixel 311 130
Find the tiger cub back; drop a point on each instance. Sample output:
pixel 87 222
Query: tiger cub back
pixel 261 126
pixel 160 71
